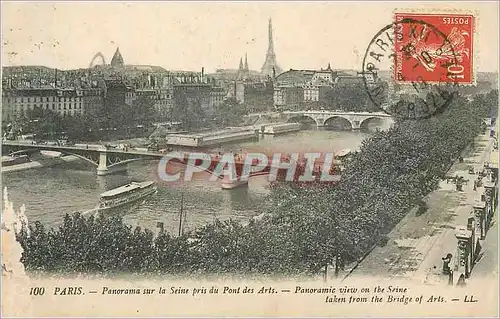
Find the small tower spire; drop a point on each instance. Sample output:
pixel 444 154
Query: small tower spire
pixel 241 71
pixel 270 62
pixel 270 35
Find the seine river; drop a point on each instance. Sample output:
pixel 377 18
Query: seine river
pixel 50 192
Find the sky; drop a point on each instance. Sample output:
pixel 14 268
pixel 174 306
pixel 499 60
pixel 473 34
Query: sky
pixel 192 35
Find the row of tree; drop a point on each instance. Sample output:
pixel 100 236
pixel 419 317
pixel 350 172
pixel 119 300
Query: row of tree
pixel 95 125
pixel 349 98
pixel 305 228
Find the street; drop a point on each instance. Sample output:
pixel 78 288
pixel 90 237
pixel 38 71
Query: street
pixel 417 244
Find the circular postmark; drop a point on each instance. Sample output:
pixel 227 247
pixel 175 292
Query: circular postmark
pixel 419 58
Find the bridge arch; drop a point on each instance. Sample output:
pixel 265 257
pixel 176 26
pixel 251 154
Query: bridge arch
pixel 131 160
pixel 365 123
pixel 30 151
pixel 339 121
pixel 97 55
pixel 302 118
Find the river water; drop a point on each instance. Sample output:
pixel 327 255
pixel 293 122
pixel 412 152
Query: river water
pixel 51 192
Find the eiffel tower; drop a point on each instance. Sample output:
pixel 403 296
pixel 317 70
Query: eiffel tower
pixel 270 67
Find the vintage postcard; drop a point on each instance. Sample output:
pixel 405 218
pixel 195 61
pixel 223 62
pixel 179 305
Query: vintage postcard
pixel 249 159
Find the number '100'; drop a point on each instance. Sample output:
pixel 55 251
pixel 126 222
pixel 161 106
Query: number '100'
pixel 37 291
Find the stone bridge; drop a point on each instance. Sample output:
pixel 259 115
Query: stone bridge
pixel 357 120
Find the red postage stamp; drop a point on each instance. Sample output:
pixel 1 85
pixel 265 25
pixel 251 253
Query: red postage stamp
pixel 434 48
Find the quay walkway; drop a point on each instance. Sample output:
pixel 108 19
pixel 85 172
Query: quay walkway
pixel 418 243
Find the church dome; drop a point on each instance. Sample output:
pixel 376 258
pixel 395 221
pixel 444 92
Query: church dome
pixel 117 60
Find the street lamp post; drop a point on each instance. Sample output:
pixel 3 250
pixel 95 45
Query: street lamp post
pixel 180 214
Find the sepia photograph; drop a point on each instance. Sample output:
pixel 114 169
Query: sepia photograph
pixel 249 159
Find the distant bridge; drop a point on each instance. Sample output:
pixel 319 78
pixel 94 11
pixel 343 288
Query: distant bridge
pixel 356 120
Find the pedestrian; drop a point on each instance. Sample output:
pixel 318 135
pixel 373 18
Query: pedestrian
pixel 446 263
pixel 475 185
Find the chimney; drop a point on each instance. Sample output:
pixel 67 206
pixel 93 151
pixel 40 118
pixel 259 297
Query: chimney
pixel 202 74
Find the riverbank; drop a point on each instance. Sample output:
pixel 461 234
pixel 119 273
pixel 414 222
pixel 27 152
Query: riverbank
pixel 417 244
pixel 40 162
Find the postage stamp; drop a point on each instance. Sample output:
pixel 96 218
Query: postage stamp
pixel 434 48
pixel 416 97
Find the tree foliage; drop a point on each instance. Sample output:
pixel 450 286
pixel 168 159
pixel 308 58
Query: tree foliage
pixel 229 113
pixel 48 124
pixel 188 111
pixel 349 98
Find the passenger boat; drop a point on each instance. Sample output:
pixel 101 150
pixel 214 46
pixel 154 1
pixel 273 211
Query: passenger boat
pixel 126 194
pixel 14 160
pixel 275 129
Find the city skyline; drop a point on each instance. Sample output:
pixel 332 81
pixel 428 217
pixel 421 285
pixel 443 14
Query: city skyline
pixel 174 36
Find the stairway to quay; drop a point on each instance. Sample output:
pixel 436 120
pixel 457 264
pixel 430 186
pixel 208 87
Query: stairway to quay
pixel 453 242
